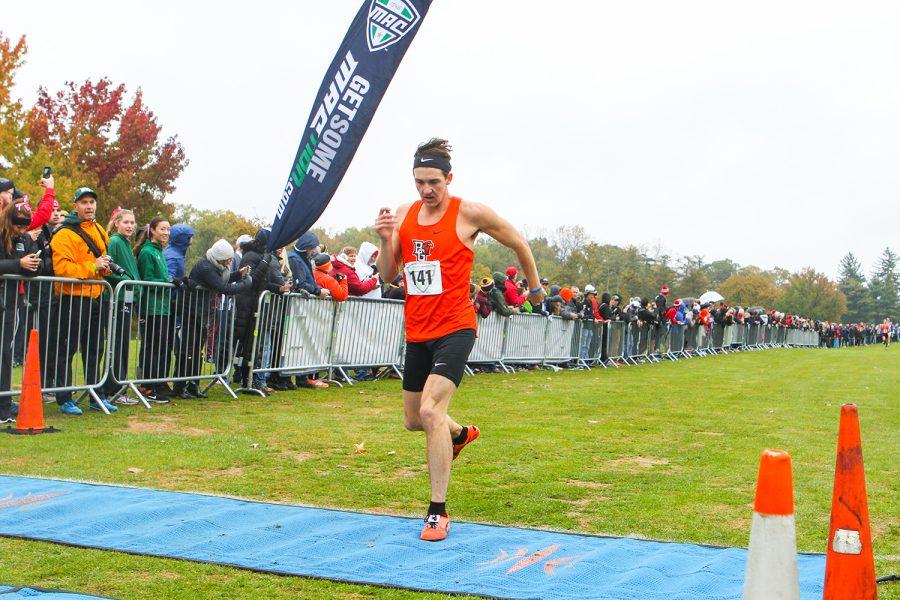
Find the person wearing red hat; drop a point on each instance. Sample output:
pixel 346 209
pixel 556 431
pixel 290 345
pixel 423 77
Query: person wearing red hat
pixel 511 289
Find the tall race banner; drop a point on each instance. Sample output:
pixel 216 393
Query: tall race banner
pixel 345 104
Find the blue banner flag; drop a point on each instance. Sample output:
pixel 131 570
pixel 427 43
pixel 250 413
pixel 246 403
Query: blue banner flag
pixel 345 104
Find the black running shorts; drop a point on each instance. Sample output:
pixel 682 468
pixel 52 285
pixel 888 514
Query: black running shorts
pixel 445 356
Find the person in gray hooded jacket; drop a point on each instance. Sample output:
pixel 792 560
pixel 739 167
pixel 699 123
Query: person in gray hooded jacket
pixel 299 260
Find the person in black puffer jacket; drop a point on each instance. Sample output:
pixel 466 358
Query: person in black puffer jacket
pixel 213 274
pixel 264 268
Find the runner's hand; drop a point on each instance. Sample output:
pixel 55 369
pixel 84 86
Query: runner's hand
pixel 385 224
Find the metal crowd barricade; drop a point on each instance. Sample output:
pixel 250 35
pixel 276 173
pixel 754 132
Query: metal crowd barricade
pixel 738 336
pixel 676 341
pixel 368 333
pixel 558 341
pixel 162 334
pixel 752 340
pixel 701 340
pixel 718 334
pixel 595 348
pixel 661 347
pixel 72 316
pixel 488 348
pixel 692 340
pixel 790 337
pixel 784 336
pixel 654 332
pixel 641 336
pixel 524 342
pixel 293 335
pixel 615 342
pixel 576 346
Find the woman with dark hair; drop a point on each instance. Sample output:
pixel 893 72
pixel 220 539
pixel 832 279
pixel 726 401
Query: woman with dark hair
pixel 155 306
pixel 16 258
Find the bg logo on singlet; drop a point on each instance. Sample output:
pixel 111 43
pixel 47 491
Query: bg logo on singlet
pixel 389 21
pixel 422 249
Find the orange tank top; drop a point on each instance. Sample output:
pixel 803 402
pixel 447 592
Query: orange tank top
pixel 437 304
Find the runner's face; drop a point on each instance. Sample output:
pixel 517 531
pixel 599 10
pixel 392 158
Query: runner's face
pixel 432 184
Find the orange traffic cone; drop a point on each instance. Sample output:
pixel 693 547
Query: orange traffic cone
pixel 772 555
pixel 850 563
pixel 31 407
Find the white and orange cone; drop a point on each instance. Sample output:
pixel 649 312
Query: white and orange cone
pixel 772 557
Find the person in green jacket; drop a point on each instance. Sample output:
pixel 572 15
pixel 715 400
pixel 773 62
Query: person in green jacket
pixel 155 305
pixel 122 226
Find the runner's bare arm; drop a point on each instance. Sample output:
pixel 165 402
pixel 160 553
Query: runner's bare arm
pixel 389 258
pixel 488 221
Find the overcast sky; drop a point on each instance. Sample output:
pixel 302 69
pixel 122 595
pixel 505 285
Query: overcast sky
pixel 767 132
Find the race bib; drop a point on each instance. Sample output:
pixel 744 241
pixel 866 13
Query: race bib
pixel 423 278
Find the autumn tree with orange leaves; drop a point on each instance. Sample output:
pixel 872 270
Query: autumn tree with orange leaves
pixel 93 134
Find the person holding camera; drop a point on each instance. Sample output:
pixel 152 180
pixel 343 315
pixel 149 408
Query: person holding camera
pixel 79 249
pixel 154 311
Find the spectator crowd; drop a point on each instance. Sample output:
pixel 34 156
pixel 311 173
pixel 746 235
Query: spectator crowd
pixel 178 332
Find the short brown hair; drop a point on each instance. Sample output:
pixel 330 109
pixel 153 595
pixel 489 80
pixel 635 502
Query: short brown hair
pixel 435 146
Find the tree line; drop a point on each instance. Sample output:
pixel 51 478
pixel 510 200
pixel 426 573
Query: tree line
pixel 569 256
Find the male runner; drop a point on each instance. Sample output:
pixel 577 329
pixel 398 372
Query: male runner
pixel 433 240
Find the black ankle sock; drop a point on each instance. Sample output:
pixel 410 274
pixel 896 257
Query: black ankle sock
pixel 462 436
pixel 437 508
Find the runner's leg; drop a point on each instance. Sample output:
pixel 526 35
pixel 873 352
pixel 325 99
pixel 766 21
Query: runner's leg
pixel 433 407
pixel 413 422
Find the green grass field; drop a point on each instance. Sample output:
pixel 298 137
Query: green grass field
pixel 665 452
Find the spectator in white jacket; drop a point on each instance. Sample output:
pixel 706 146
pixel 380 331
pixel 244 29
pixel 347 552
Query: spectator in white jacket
pixel 365 266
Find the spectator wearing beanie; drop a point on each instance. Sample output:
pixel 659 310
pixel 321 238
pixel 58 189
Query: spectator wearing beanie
pixel 511 289
pixel 7 189
pixel 300 260
pixel 395 289
pixel 212 272
pixel 481 303
pixel 497 297
pixel 265 270
pixel 238 255
pixel 337 284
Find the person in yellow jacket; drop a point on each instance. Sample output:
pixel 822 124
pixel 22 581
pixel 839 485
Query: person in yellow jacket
pixel 79 252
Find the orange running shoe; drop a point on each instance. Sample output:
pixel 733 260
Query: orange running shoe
pixel 472 434
pixel 436 528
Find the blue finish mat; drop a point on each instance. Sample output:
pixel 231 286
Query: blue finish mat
pixel 10 593
pixel 483 560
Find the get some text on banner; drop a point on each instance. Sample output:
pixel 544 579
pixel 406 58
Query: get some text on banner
pixel 353 87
